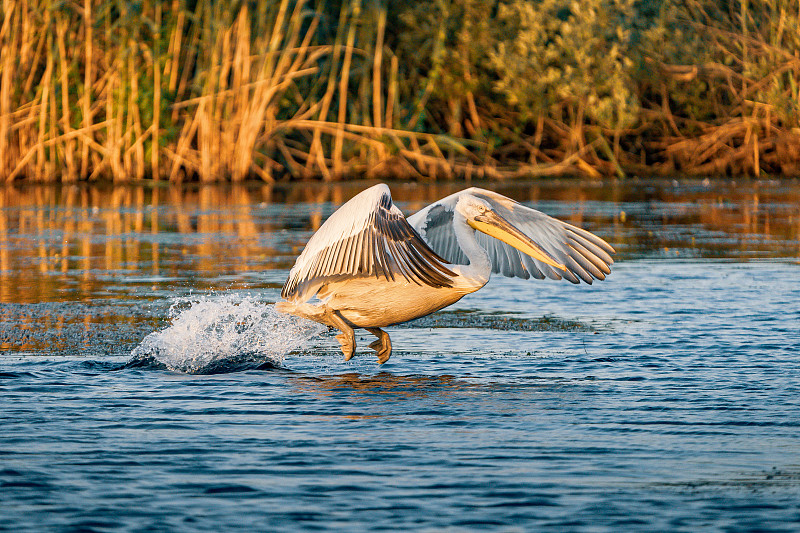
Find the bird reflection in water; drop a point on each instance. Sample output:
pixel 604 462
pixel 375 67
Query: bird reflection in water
pixel 383 384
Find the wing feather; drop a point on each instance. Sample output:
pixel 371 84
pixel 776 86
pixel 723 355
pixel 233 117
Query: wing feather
pixel 366 236
pixel 383 257
pixel 585 255
pixel 530 266
pixel 600 257
pixel 574 266
pixel 589 261
pixel 330 254
pixel 550 272
pixel 341 255
pixel 357 255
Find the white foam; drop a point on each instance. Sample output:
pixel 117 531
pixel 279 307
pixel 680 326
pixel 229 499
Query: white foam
pixel 210 331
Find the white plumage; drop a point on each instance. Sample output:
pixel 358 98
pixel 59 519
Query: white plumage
pixel 584 255
pixel 370 267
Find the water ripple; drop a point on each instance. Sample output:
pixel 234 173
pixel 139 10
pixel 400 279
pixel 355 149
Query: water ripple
pixel 663 399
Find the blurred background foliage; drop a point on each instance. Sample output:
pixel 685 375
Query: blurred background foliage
pixel 275 89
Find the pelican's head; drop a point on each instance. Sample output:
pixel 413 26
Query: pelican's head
pixel 481 215
pixel 471 207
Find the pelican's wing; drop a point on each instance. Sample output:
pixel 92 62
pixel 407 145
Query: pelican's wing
pixel 584 255
pixel 367 236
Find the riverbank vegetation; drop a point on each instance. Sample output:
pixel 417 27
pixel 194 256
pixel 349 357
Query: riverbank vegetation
pixel 276 89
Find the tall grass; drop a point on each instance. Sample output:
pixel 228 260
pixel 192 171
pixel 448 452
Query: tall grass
pixel 205 90
pixel 268 89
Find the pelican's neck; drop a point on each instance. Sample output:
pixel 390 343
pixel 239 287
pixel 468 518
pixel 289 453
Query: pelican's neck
pixel 480 267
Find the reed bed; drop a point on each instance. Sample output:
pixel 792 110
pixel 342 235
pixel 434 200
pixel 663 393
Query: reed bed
pixel 275 89
pixel 214 90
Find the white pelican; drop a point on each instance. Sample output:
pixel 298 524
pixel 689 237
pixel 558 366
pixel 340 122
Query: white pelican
pixel 370 267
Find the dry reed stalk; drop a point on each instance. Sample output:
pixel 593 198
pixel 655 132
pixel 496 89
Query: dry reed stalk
pixel 219 64
pixel 174 48
pixel 88 23
pixel 126 115
pixel 204 134
pixel 5 109
pixel 155 149
pixel 137 135
pixel 111 161
pixel 182 152
pixel 7 68
pixel 35 59
pixel 45 100
pixel 229 63
pixel 61 31
pixel 756 154
pixel 391 94
pixel 189 59
pixel 343 82
pixel 377 106
pixel 52 132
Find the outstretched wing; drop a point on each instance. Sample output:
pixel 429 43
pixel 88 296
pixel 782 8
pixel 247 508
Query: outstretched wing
pixel 367 236
pixel 585 255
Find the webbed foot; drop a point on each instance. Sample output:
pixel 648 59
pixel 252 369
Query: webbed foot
pixel 383 345
pixel 348 343
pixel 347 337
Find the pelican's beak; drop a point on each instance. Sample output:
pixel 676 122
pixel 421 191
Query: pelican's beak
pixel 498 227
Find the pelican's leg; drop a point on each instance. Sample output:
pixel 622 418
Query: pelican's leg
pixel 383 345
pixel 327 316
pixel 347 338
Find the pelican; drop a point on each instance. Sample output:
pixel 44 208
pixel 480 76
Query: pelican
pixel 370 267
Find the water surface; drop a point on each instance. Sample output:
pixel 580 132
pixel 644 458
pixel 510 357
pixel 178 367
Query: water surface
pixel 147 384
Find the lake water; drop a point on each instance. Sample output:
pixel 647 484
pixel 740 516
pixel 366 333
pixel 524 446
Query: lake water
pixel 146 384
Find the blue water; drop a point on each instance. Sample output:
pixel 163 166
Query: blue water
pixel 665 398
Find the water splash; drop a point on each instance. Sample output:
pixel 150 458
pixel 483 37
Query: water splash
pixel 224 333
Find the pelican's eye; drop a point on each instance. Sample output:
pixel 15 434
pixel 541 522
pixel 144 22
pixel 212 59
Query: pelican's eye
pixel 481 212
